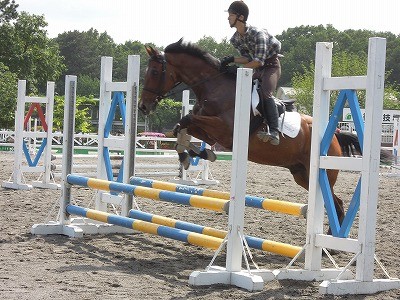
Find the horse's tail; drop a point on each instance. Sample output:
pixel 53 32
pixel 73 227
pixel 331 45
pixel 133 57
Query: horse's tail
pixel 348 141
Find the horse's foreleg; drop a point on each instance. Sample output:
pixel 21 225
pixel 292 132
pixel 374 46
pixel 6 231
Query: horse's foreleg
pixel 183 144
pixel 186 128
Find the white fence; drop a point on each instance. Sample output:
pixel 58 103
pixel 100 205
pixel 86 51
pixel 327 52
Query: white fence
pixel 386 136
pixel 88 140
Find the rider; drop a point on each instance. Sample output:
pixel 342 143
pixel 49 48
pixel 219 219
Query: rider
pixel 259 51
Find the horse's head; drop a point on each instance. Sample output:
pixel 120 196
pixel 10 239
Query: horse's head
pixel 157 82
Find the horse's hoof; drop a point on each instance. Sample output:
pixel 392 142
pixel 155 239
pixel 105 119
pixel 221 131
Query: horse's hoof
pixel 176 129
pixel 184 159
pixel 211 155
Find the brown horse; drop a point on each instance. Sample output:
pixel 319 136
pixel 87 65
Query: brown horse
pixel 213 113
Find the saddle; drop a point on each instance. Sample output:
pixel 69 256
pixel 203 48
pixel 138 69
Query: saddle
pixel 282 106
pixel 285 105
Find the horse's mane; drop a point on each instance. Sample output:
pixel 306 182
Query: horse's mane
pixel 193 50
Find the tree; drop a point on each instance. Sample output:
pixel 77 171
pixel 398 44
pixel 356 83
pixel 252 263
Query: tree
pixel 26 50
pixel 82 118
pixel 88 86
pixel 8 92
pixel 298 47
pixel 121 59
pixel 82 52
pixel 392 59
pixel 8 10
pixel 218 50
pixel 343 64
pixel 168 114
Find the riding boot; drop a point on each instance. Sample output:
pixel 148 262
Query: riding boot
pixel 270 113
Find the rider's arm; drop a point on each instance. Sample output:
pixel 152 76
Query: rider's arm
pixel 254 64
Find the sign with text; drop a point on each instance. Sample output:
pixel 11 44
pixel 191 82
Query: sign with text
pixel 388 116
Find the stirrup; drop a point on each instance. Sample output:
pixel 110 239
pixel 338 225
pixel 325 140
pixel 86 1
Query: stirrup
pixel 263 136
pixel 274 139
pixel 267 136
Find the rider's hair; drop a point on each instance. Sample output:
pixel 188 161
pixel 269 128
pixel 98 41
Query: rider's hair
pixel 239 8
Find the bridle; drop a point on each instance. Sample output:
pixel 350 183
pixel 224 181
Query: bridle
pixel 160 58
pixel 161 83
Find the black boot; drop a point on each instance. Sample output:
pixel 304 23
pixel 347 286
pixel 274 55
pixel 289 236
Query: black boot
pixel 270 113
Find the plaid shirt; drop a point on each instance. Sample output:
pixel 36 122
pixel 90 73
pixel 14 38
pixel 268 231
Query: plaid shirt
pixel 256 44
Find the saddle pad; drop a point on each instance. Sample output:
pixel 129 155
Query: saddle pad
pixel 255 98
pixel 291 124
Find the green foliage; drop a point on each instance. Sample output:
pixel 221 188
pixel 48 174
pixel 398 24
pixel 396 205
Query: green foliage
pixel 8 92
pixel 343 64
pixel 303 84
pixel 121 59
pixel 392 60
pixel 298 47
pixel 82 118
pixel 167 114
pixel 218 50
pixel 8 10
pixel 26 50
pixel 391 99
pixel 88 86
pixel 82 52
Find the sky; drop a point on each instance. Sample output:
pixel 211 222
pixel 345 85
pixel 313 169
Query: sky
pixel 163 22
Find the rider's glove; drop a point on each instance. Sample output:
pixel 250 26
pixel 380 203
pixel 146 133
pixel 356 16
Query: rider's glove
pixel 226 61
pixel 232 70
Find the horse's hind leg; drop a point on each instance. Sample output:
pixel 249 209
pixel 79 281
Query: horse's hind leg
pixel 301 177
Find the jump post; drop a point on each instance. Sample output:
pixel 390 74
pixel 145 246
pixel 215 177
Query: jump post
pixel 365 197
pixel 232 273
pixel 45 180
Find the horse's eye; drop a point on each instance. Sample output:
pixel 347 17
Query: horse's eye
pixel 154 72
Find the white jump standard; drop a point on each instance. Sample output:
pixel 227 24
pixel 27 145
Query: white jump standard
pixel 232 273
pixel 46 179
pixel 363 247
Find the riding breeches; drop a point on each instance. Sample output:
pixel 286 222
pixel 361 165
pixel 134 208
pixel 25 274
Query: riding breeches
pixel 268 77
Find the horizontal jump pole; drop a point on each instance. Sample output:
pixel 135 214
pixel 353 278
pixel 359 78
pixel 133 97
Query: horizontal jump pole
pixel 253 242
pixel 151 193
pixel 285 207
pixel 159 173
pixel 192 238
pixel 86 166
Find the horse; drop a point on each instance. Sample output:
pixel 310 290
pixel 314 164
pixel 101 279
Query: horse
pixel 212 119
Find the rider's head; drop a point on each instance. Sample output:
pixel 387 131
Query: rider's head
pixel 240 9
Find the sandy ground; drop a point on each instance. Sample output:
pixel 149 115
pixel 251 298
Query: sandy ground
pixel 142 266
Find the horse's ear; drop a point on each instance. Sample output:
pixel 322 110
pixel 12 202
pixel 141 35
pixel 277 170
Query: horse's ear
pixel 151 51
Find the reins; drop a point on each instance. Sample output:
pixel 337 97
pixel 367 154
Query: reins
pixel 161 59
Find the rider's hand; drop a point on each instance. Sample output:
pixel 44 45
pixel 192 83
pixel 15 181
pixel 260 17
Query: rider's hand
pixel 232 70
pixel 226 61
